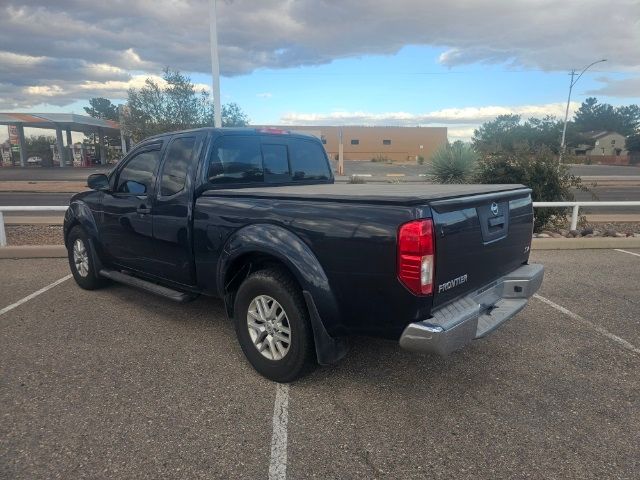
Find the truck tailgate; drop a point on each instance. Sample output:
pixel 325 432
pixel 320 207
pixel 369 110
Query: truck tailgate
pixel 478 239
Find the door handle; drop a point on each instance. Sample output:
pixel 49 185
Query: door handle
pixel 495 222
pixel 143 210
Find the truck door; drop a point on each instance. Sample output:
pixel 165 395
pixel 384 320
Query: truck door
pixel 126 227
pixel 172 210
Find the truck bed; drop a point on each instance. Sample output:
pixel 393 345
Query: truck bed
pixel 404 194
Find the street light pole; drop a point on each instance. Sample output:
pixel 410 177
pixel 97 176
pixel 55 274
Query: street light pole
pixel 215 64
pixel 563 145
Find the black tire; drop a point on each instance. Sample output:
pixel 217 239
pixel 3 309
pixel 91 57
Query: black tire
pixel 279 286
pixel 87 279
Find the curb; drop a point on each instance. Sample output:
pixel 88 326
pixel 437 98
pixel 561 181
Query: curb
pixel 583 243
pixel 34 251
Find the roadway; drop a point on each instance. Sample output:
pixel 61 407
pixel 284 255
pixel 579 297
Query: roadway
pixel 117 383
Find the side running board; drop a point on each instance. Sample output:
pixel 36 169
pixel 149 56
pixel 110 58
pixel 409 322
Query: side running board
pixel 166 292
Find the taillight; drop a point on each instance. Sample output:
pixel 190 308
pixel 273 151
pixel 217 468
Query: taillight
pixel 416 256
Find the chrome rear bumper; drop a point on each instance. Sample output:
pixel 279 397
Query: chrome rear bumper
pixel 475 315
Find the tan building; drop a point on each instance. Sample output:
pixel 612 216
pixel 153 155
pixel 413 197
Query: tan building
pixel 604 144
pixel 402 144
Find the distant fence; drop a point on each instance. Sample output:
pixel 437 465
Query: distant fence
pixel 3 233
pixel 575 206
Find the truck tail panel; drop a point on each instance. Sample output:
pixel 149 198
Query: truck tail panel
pixel 479 239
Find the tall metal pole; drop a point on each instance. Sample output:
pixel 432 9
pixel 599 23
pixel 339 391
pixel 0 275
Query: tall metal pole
pixel 563 145
pixel 215 63
pixel 566 118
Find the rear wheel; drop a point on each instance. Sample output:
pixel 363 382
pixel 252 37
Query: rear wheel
pixel 272 325
pixel 80 253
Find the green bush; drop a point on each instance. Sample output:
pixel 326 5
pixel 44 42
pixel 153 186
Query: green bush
pixel 455 163
pixel 381 159
pixel 420 160
pixel 539 170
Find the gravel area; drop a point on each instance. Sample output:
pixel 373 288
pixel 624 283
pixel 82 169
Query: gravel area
pixel 34 234
pixel 617 226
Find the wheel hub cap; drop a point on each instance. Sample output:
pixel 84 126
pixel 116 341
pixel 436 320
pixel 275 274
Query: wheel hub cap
pixel 269 327
pixel 80 257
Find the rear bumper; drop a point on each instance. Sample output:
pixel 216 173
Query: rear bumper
pixel 475 315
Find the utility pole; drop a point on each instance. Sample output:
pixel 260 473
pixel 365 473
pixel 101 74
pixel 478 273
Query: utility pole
pixel 215 64
pixel 573 74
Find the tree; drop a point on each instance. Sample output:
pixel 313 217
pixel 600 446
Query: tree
pixel 538 170
pixel 40 146
pixel 508 133
pixel 155 109
pixel 594 117
pixel 633 143
pixel 100 107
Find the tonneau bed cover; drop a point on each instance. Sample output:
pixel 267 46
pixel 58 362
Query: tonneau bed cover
pixel 392 194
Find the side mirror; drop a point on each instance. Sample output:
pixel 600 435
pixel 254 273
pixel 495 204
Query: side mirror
pixel 98 181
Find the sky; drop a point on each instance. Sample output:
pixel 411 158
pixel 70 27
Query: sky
pixel 454 63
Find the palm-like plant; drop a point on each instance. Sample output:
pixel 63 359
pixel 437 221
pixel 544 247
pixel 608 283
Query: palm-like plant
pixel 453 163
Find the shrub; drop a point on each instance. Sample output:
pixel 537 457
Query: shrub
pixel 455 163
pixel 381 159
pixel 420 160
pixel 539 170
pixel 356 179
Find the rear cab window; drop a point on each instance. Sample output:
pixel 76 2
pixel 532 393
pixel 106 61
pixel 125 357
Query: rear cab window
pixel 266 159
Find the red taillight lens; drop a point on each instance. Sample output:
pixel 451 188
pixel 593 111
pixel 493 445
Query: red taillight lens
pixel 416 256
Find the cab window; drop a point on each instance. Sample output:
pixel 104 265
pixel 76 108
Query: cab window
pixel 176 165
pixel 138 174
pixel 308 160
pixel 235 159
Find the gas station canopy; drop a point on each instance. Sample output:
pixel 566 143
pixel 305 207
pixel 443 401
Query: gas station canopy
pixel 65 121
pixel 59 122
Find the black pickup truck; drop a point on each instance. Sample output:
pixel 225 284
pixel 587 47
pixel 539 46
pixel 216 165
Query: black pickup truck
pixel 253 216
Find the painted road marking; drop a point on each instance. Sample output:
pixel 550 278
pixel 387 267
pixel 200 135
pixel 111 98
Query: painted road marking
pixel 620 341
pixel 278 462
pixel 625 251
pixel 34 295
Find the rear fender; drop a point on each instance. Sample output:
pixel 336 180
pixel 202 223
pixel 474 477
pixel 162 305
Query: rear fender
pixel 287 247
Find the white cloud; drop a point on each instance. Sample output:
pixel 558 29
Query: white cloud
pixel 467 115
pixel 68 42
pixel 264 95
pixel 625 88
pixel 460 121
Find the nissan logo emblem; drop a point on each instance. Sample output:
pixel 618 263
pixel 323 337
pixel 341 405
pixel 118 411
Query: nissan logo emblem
pixel 494 208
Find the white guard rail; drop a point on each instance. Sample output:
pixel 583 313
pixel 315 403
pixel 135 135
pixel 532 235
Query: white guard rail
pixel 574 214
pixel 576 207
pixel 3 233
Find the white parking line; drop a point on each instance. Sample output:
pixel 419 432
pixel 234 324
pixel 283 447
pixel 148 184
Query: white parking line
pixel 278 462
pixel 620 341
pixel 625 251
pixel 34 295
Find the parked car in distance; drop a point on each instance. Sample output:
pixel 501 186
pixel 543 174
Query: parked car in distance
pixel 253 216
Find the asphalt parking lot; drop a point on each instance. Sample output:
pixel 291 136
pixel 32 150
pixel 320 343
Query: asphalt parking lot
pixel 121 384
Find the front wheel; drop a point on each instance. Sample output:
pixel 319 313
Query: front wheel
pixel 272 325
pixel 80 253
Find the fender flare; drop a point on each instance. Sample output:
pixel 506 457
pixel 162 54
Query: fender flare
pixel 79 213
pixel 287 247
